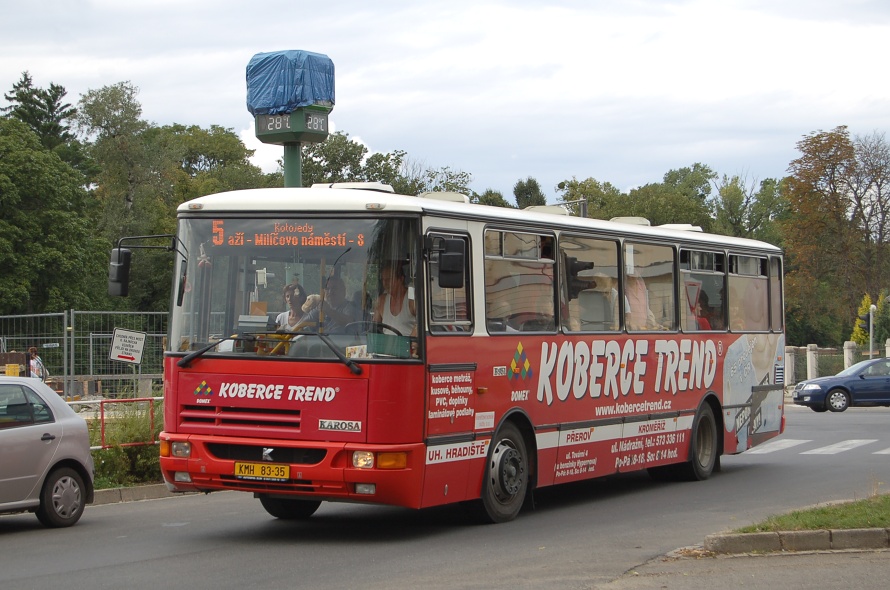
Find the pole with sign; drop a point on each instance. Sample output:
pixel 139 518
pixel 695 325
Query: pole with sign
pixel 127 346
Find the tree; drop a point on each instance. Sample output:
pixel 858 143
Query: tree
pixel 602 197
pixel 861 326
pixel 528 193
pixel 660 204
pixel 493 198
pixel 44 111
pixel 336 159
pixel 693 181
pixel 111 117
pixel 51 258
pixel 836 228
pixel 744 210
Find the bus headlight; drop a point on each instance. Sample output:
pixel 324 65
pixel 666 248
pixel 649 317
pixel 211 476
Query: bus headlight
pixel 363 460
pixel 183 450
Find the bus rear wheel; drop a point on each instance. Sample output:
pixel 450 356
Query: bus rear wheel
pixel 703 456
pixel 704 446
pixel 506 476
pixel 287 509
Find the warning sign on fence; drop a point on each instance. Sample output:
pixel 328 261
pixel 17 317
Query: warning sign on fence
pixel 127 345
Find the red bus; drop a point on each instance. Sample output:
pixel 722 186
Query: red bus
pixel 456 352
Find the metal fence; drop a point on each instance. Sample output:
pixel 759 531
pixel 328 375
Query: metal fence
pixel 828 361
pixel 75 347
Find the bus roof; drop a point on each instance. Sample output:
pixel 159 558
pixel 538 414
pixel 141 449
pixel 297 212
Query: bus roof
pixel 339 199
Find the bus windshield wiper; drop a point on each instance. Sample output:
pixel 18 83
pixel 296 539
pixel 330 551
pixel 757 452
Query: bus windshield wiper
pixel 187 359
pixel 350 364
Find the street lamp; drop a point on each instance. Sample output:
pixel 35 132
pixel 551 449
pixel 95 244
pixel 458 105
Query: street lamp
pixel 871 330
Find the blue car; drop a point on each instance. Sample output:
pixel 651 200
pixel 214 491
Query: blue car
pixel 866 383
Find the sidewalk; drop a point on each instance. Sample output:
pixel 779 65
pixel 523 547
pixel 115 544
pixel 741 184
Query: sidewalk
pixel 132 494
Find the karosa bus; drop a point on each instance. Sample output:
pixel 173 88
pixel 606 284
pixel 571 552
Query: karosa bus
pixel 547 349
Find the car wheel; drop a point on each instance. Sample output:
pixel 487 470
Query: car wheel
pixel 289 509
pixel 62 498
pixel 837 400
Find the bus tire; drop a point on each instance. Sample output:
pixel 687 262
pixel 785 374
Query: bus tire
pixel 703 449
pixel 289 509
pixel 506 479
pixel 704 456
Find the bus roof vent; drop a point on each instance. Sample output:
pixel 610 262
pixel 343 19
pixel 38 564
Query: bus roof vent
pixel 681 226
pixel 445 196
pixel 631 220
pixel 551 209
pixel 368 186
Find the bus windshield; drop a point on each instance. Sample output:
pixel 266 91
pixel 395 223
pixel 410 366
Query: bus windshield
pixel 307 287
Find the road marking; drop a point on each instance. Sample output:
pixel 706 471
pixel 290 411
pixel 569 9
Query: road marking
pixel 778 445
pixel 884 452
pixel 840 447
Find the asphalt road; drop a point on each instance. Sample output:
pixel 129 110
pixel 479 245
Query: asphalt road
pixel 609 533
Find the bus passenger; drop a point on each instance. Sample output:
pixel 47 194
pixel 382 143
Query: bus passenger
pixel 337 312
pixel 394 307
pixel 639 316
pixel 294 298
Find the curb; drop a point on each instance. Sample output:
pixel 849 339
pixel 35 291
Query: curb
pixel 820 540
pixel 133 494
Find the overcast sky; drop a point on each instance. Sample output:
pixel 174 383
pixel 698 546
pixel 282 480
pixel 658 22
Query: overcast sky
pixel 620 91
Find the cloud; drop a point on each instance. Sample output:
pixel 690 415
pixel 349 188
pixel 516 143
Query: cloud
pixel 503 90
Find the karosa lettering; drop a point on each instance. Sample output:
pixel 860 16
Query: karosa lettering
pixel 606 369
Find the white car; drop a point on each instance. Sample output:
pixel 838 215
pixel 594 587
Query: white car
pixel 45 461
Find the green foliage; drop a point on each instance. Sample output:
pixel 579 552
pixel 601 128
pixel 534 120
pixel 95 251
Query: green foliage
pixel 834 230
pixel 602 198
pixel 748 211
pixel 872 512
pixel 528 193
pixel 67 198
pixel 127 423
pixel 49 253
pixel 860 333
pixel 42 110
pixel 493 198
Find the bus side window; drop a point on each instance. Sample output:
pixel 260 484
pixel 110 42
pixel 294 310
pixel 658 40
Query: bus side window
pixel 449 309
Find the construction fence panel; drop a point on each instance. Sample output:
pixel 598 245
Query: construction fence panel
pixel 45 331
pixel 93 372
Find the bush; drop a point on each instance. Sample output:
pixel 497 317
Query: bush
pixel 126 424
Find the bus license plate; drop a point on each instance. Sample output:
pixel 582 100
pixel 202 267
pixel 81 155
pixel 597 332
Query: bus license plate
pixel 262 471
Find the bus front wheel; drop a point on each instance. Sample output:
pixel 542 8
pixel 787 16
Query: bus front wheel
pixel 506 475
pixel 287 509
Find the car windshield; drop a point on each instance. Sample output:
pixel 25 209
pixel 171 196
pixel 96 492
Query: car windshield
pixel 272 286
pixel 854 369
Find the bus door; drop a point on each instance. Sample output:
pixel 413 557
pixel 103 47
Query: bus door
pixel 451 419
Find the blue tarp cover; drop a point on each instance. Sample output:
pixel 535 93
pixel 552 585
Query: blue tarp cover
pixel 283 81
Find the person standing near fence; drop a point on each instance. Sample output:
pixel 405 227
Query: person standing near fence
pixel 38 369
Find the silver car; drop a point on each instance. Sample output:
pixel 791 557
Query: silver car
pixel 45 461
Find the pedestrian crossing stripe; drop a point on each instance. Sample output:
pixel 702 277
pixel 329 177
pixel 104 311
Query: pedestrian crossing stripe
pixel 840 447
pixel 789 443
pixel 776 445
